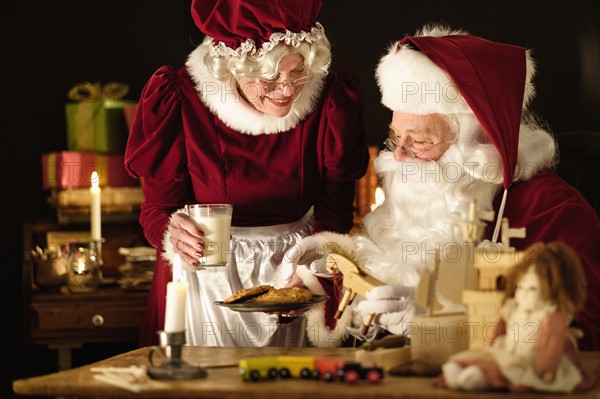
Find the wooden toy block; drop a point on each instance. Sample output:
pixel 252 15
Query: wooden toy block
pixel 483 308
pixel 383 357
pixel 434 339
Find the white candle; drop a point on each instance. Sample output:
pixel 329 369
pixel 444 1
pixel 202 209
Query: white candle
pixel 175 308
pixel 472 211
pixel 95 209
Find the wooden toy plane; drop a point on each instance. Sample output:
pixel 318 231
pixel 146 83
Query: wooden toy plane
pixel 355 281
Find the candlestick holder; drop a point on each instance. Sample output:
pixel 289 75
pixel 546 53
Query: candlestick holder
pixel 98 245
pixel 173 367
pixel 83 270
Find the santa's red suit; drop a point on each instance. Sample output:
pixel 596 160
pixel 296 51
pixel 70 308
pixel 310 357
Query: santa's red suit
pixel 501 158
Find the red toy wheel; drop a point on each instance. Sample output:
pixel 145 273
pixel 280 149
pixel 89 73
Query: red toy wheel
pixel 351 377
pixel 374 377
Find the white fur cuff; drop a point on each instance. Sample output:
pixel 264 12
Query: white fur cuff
pixel 319 334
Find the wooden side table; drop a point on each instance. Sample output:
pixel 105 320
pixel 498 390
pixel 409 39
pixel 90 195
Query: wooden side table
pixel 64 321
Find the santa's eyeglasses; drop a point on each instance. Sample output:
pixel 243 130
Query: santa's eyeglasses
pixel 414 153
pixel 416 149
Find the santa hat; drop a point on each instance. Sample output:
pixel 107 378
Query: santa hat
pixel 446 72
pixel 240 27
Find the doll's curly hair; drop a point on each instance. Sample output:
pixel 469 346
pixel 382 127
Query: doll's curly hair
pixel 561 275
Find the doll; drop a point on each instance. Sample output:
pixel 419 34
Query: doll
pixel 532 348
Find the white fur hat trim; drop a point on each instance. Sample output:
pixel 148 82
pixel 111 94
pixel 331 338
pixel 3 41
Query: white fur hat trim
pixel 410 82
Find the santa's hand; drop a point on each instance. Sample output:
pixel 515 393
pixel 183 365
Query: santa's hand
pixel 311 252
pixel 393 305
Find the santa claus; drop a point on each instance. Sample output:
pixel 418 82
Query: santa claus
pixel 460 129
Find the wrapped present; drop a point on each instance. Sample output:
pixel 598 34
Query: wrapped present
pixel 117 204
pixel 110 197
pixel 70 169
pixel 96 120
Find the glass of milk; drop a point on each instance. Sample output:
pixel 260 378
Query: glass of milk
pixel 215 221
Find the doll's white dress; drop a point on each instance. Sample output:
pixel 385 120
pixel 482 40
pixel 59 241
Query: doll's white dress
pixel 514 352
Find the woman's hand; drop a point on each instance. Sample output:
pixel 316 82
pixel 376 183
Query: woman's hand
pixel 186 238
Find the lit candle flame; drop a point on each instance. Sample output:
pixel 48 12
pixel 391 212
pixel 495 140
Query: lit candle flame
pixel 95 179
pixel 80 266
pixel 379 198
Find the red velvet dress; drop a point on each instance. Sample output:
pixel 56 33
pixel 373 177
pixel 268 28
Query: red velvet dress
pixel 552 210
pixel 184 153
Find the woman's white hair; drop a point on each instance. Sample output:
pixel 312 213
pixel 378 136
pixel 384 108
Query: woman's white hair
pixel 316 57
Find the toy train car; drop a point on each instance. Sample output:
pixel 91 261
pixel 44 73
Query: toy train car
pixel 307 367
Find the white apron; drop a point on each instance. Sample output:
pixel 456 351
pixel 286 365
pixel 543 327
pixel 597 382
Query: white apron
pixel 256 254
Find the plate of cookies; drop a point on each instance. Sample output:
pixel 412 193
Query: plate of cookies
pixel 266 298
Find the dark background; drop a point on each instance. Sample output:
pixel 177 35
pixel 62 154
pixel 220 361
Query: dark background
pixel 48 46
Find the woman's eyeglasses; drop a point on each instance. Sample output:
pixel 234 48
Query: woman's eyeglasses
pixel 269 85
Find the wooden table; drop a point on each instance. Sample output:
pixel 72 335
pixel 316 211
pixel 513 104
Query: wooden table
pixel 223 380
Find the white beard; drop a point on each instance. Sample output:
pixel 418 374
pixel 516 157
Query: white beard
pixel 425 203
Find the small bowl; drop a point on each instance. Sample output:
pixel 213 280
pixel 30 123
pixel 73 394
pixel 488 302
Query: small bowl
pixel 50 273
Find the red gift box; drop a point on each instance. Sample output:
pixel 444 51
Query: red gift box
pixel 71 169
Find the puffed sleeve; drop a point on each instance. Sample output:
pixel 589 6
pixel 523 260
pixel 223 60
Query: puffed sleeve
pixel 345 154
pixel 155 152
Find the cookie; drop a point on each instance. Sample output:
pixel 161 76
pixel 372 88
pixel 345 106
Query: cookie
pixel 284 295
pixel 247 293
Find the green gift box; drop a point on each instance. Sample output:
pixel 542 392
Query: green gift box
pixel 97 122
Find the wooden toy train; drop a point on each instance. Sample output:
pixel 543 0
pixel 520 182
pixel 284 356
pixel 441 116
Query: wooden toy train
pixel 307 367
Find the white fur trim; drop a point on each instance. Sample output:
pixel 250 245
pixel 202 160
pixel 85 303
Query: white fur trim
pixel 223 100
pixel 318 245
pixel 290 38
pixel 410 82
pixel 341 243
pixel 317 331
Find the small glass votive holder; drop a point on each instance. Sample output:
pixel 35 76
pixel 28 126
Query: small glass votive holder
pixel 83 267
